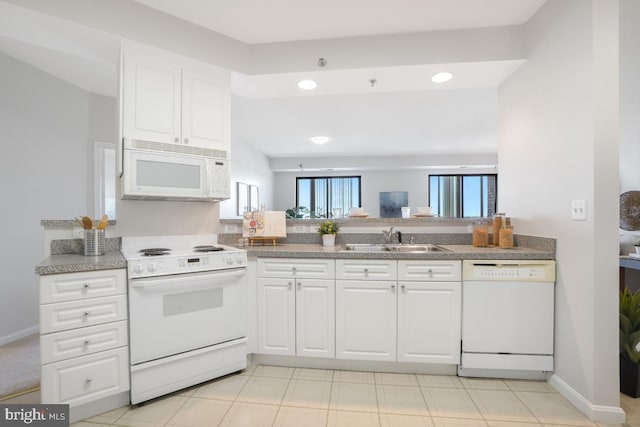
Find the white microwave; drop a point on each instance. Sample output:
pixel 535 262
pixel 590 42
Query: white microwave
pixel 157 175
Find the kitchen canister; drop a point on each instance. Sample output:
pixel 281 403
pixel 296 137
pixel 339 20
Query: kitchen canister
pixel 480 238
pixel 94 243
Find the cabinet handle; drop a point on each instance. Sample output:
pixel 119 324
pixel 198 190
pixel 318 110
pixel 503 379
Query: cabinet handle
pixel 85 314
pixel 85 285
pixel 366 272
pixel 86 342
pixel 430 271
pixel 186 140
pixel 393 287
pixel 290 285
pixel 293 270
pixel 176 140
pixel 403 287
pixel 299 285
pixel 88 380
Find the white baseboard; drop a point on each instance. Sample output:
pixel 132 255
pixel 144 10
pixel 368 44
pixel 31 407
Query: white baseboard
pixel 597 413
pixel 18 335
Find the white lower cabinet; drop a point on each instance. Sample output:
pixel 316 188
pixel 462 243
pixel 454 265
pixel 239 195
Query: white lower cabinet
pixel 379 310
pixel 429 311
pixel 87 378
pixel 84 340
pixel 413 316
pixel 366 320
pixel 296 315
pixel 429 322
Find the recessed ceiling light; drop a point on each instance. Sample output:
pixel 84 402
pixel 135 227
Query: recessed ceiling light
pixel 307 84
pixel 441 77
pixel 319 139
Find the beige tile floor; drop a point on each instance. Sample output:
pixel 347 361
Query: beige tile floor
pixel 279 396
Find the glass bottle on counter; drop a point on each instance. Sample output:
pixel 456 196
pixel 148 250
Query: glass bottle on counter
pixel 480 238
pixel 506 237
pixel 498 222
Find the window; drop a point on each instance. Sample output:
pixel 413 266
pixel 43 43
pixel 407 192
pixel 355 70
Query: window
pixel 324 194
pixel 463 196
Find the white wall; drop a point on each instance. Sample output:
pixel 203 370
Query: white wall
pixel 558 133
pixel 251 167
pixel 629 95
pixel 43 171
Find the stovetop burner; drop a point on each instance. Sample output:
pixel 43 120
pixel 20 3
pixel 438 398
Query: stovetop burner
pixel 207 248
pixel 155 251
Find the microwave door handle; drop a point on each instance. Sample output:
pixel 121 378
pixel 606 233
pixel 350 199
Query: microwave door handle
pixel 157 283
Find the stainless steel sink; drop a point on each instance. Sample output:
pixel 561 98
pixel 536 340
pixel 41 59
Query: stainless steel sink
pixel 416 248
pixel 365 247
pixel 427 247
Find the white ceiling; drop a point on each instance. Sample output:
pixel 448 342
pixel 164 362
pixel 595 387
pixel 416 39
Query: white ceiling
pixel 402 113
pixel 255 21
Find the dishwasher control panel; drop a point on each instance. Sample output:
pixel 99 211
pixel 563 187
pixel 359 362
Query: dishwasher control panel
pixel 502 270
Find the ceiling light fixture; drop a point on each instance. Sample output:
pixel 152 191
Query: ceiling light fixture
pixel 307 84
pixel 320 139
pixel 441 77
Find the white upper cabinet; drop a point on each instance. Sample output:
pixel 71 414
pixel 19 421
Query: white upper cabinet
pixel 205 111
pixel 174 100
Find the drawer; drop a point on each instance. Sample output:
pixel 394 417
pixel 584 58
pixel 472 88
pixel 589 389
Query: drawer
pixel 85 379
pixel 363 269
pixel 75 286
pixel 296 268
pixel 62 316
pixel 430 271
pixel 82 341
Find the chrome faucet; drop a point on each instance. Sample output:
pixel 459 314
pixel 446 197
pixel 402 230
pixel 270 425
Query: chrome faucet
pixel 388 235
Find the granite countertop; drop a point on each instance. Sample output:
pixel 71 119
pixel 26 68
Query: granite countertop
pixel 73 263
pixel 455 252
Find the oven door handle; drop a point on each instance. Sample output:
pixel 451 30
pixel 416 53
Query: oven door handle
pixel 178 282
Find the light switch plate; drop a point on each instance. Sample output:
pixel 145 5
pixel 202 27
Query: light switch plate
pixel 579 210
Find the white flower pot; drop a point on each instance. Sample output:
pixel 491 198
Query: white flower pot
pixel 328 240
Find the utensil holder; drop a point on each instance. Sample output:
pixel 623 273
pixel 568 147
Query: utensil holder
pixel 94 243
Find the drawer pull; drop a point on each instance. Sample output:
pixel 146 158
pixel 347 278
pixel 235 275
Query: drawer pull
pixel 403 287
pixel 393 287
pixel 88 380
pixel 290 285
pixel 85 285
pixel 86 342
pixel 85 314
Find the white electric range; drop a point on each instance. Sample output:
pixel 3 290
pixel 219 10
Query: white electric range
pixel 188 314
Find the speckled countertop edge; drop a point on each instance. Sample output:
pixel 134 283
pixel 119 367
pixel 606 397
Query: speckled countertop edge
pixel 455 252
pixel 74 263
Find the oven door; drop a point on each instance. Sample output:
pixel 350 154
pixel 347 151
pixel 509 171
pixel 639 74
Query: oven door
pixel 178 313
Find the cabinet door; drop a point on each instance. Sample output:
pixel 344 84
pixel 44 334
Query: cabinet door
pixel 315 318
pixel 205 111
pixel 85 379
pixel 276 316
pixel 429 322
pixel 151 98
pixel 366 320
pixel 89 284
pixel 296 268
pixel 430 270
pixel 363 269
pixel 62 316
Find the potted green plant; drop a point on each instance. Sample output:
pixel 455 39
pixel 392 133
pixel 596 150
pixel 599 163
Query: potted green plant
pixel 296 212
pixel 629 342
pixel 328 229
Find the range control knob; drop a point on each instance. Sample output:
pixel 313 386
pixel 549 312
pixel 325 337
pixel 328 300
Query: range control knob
pixel 239 259
pixel 229 261
pixel 151 267
pixel 138 268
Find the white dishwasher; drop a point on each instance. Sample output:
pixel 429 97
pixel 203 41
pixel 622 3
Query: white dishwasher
pixel 507 318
